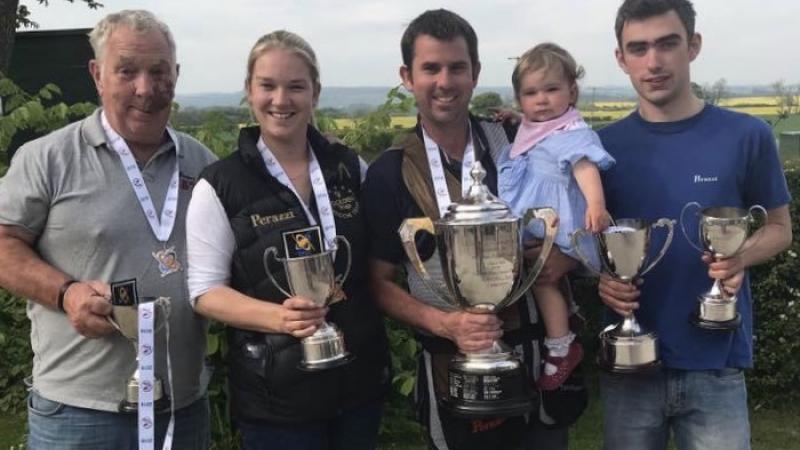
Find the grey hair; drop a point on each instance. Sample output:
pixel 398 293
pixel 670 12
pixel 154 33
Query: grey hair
pixel 137 20
pixel 284 40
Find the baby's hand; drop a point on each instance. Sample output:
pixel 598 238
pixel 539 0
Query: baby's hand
pixel 597 218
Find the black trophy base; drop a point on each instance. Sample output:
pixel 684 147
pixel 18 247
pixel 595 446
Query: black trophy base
pixel 476 396
pixel 472 409
pixel 728 325
pixel 317 366
pixel 639 369
pixel 160 406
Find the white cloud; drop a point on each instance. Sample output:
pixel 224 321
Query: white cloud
pixel 358 41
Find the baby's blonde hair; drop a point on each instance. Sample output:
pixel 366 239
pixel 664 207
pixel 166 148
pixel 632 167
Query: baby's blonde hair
pixel 547 56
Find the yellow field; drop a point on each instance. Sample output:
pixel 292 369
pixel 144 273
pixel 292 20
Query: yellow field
pixel 756 106
pixel 397 122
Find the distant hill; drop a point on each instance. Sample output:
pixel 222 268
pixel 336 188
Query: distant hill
pixel 355 98
pixel 359 98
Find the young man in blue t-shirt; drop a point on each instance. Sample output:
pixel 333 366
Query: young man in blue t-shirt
pixel 672 150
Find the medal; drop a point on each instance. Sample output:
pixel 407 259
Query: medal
pixel 167 259
pixel 161 226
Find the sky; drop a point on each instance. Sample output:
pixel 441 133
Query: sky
pixel 747 42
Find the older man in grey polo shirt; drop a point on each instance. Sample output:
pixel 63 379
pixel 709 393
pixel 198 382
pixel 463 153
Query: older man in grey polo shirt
pixel 98 201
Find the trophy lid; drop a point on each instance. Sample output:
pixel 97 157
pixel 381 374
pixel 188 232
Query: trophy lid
pixel 479 205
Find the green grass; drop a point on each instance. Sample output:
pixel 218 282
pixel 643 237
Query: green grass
pixel 12 430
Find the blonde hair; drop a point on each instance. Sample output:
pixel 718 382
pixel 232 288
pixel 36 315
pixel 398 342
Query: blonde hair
pixel 284 40
pixel 138 20
pixel 547 56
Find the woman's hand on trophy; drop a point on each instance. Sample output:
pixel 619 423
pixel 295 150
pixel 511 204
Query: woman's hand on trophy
pixel 87 306
pixel 730 271
pixel 472 332
pixel 300 317
pixel 619 296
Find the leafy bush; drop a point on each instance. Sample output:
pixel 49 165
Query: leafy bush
pixel 39 112
pixel 776 294
pixel 372 132
pixel 14 346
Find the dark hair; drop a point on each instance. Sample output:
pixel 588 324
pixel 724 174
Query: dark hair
pixel 644 9
pixel 443 25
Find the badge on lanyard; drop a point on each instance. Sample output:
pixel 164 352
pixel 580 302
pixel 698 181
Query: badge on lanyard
pixel 303 242
pixel 167 259
pixel 161 227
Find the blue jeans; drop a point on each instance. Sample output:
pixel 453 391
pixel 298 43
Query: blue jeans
pixel 704 410
pixel 356 429
pixel 56 426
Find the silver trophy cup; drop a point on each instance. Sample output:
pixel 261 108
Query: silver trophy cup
pixel 313 277
pixel 480 250
pixel 622 251
pixel 722 233
pixel 126 320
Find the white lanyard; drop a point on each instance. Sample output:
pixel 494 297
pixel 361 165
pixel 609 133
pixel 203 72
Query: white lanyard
pixel 161 228
pixel 147 420
pixel 437 172
pixel 146 413
pixel 317 185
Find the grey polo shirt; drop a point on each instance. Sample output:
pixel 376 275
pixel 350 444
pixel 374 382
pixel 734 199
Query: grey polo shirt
pixel 71 191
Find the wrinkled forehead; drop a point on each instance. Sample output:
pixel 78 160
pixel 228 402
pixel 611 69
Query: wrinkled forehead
pixel 148 46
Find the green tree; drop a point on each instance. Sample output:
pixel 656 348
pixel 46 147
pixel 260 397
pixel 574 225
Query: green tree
pixel 712 93
pixel 787 100
pixel 15 14
pixel 482 103
pixel 37 112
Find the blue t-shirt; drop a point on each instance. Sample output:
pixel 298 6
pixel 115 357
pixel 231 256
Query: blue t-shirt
pixel 716 158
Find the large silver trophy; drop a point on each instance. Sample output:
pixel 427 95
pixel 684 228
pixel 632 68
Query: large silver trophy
pixel 125 318
pixel 480 249
pixel 722 233
pixel 313 277
pixel 623 251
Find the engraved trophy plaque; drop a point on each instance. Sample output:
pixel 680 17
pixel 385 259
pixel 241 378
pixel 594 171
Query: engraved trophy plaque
pixel 722 233
pixel 480 249
pixel 622 251
pixel 313 277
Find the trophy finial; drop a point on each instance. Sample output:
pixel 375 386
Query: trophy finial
pixel 478 191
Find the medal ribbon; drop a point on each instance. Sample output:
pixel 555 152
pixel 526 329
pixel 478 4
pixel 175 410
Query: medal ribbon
pixel 147 378
pixel 161 228
pixel 317 185
pixel 147 422
pixel 437 172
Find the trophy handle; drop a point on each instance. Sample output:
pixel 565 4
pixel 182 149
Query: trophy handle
pixel 550 218
pixel 408 230
pixel 669 224
pixel 751 219
pixel 341 278
pixel 683 226
pixel 757 208
pixel 274 252
pixel 579 253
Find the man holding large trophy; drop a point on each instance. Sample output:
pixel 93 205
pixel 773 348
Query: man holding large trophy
pixel 674 150
pixel 475 400
pixel 99 201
